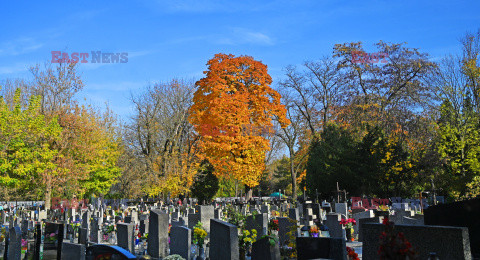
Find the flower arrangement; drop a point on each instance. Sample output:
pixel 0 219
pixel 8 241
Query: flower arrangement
pixel 247 238
pixel 273 225
pixel 199 234
pixel 109 228
pixel 351 254
pixel 52 237
pixel 383 208
pixel 3 232
pixel 348 223
pixel 394 245
pixel 314 231
pixel 24 244
pixel 275 213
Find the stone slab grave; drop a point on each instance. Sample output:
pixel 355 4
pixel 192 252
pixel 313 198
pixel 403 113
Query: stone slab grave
pixel 333 223
pixel 223 241
pixel 258 222
pixel 361 215
pixel 125 238
pixel 341 208
pixel 362 221
pixel 15 243
pixel 180 241
pixel 263 250
pixel 206 213
pixel 321 247
pixel 458 214
pixel 72 251
pixel 450 243
pixel 157 234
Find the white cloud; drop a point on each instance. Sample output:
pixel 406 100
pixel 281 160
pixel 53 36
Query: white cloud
pixel 116 86
pixel 244 36
pixel 19 67
pixel 19 46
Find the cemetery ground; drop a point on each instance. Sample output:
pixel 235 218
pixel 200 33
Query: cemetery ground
pixel 232 228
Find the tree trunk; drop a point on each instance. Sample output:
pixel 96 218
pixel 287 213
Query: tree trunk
pixel 294 175
pixel 48 193
pixel 236 188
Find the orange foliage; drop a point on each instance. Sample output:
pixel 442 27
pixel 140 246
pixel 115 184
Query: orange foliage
pixel 233 98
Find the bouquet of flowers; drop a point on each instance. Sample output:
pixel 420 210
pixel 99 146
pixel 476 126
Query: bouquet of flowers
pixel 273 225
pixel 247 238
pixel 348 223
pixel 51 238
pixel 394 245
pixel 199 234
pixel 314 232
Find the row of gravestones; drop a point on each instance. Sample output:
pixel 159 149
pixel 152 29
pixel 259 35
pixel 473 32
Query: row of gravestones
pixel 183 223
pixel 124 230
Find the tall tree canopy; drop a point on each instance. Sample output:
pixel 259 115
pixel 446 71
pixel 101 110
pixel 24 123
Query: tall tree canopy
pixel 233 107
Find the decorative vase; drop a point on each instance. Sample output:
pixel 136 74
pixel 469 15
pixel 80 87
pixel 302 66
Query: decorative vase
pixel 349 234
pixel 242 254
pixel 201 253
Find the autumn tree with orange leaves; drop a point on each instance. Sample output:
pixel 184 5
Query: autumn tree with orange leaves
pixel 233 110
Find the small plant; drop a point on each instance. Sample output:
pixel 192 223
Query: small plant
pixel 174 257
pixel 199 234
pixel 272 240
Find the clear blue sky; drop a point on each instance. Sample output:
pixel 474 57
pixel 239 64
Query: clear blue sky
pixel 167 39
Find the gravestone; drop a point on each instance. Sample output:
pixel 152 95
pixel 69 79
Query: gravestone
pixel 447 242
pixel 15 243
pixel 321 247
pixel 82 236
pixel 157 234
pixel 458 214
pixel 362 221
pixel 71 251
pixel 263 250
pixel 361 215
pixel 258 222
pixel 180 241
pixel 125 236
pixel 95 230
pixel 294 214
pixel 341 208
pixel 193 219
pixel 284 226
pixel 223 241
pixel 206 213
pixel 143 227
pixel 336 230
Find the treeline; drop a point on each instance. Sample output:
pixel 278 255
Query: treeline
pixel 395 127
pixel 385 129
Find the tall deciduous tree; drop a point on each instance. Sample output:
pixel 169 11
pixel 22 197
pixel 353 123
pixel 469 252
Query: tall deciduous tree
pixel 233 107
pixel 161 139
pixel 27 156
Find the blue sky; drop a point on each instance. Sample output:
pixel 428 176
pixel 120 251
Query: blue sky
pixel 168 39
